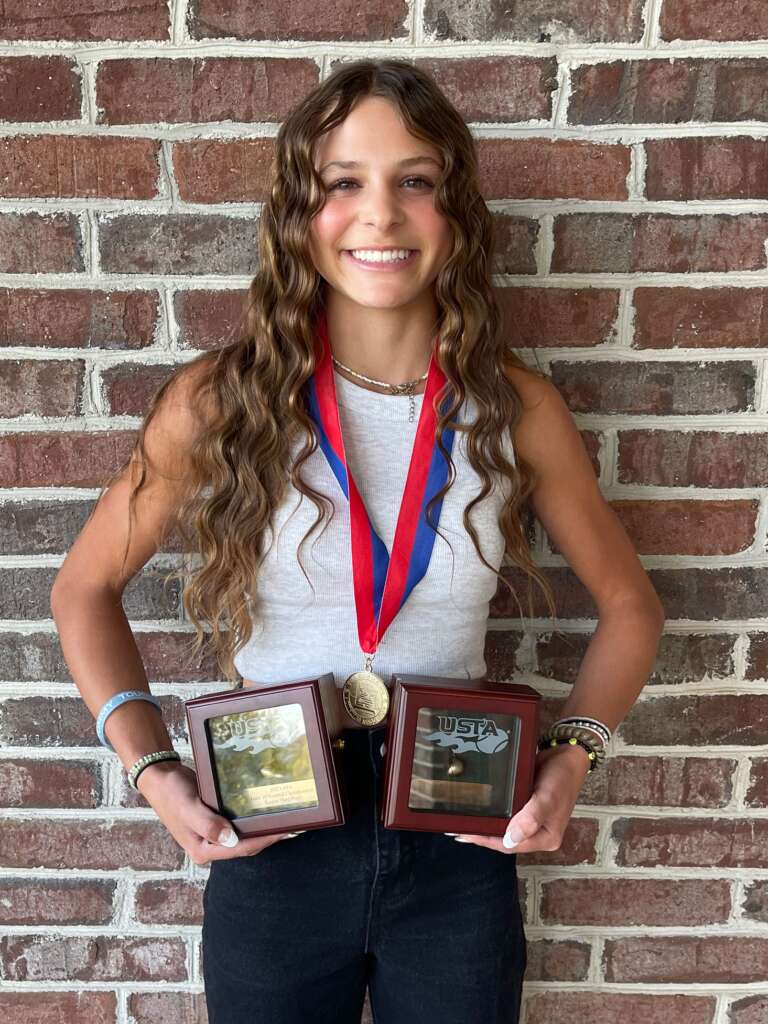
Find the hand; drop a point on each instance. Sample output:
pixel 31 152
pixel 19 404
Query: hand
pixel 542 821
pixel 170 787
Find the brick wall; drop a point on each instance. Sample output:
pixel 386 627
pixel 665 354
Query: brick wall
pixel 623 151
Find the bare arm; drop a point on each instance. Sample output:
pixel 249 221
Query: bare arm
pixel 568 503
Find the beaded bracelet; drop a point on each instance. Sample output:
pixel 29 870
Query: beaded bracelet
pixel 147 760
pixel 545 743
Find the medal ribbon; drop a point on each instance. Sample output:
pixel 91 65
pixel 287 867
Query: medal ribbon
pixel 383 581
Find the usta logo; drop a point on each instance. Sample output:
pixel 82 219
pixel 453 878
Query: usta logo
pixel 481 734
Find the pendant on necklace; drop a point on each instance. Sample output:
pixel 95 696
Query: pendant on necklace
pixel 365 696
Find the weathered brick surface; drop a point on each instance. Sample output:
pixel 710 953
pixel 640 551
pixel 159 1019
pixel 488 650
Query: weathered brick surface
pixel 692 458
pixel 82 20
pixel 201 89
pixel 44 88
pixel 719 19
pixel 77 958
pixel 78 318
pixel 716 959
pixel 28 782
pixel 63 166
pixel 631 1008
pixel 701 317
pixel 560 169
pixel 635 902
pixel 56 901
pixel 714 843
pixel 346 19
pixel 555 21
pixel 88 844
pixel 56 1007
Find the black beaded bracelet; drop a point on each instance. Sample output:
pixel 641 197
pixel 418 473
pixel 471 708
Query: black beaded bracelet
pixel 544 744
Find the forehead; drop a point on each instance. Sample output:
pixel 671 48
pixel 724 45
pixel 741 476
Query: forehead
pixel 357 141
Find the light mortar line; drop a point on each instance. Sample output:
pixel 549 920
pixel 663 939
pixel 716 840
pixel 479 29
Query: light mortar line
pixel 627 132
pixel 561 97
pixel 610 351
pixel 179 33
pixel 652 20
pixel 577 52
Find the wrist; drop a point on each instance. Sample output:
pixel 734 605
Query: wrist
pixel 574 754
pixel 153 775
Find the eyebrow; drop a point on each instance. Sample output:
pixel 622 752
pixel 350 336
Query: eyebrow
pixel 408 162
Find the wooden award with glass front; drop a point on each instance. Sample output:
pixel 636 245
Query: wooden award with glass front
pixel 460 754
pixel 266 757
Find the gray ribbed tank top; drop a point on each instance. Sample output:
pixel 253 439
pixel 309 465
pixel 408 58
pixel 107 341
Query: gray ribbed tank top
pixel 440 630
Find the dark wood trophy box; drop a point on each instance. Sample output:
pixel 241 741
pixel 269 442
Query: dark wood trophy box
pixel 460 754
pixel 267 757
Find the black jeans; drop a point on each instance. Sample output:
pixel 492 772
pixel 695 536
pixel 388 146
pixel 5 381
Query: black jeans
pixel 295 933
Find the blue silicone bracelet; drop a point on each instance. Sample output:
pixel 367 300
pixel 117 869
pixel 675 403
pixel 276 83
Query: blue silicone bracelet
pixel 115 702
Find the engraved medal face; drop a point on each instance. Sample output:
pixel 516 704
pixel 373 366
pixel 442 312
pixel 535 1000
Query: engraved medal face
pixel 366 698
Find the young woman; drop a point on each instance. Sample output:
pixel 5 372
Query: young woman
pixel 376 254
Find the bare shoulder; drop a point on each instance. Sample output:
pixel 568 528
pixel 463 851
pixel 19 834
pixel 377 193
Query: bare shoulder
pixel 545 421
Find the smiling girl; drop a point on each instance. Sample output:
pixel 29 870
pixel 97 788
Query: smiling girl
pixel 375 263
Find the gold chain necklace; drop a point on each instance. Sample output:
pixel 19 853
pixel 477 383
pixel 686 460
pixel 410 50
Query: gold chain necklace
pixel 393 389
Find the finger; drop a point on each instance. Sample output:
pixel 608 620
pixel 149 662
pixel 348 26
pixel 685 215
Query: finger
pixel 523 825
pixel 243 848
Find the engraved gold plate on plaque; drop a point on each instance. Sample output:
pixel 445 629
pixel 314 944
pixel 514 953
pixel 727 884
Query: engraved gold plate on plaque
pixel 366 698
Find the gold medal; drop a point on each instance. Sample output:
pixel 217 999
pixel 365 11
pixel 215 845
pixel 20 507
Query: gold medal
pixel 366 697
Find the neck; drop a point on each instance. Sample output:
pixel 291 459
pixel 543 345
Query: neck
pixel 390 345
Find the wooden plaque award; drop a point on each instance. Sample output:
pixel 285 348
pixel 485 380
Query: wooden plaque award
pixel 265 757
pixel 460 754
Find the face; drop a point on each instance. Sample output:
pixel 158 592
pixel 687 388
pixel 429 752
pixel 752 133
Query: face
pixel 385 201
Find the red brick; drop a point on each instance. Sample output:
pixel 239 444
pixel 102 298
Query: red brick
pixel 92 958
pixel 41 387
pixel 755 902
pixel 223 171
pixel 36 243
pixel 63 459
pixel 707 168
pixel 578 846
pixel 79 20
pixel 63 166
pixel 634 902
pixel 44 88
pixel 562 317
pixel 78 318
pixel 178 243
pixel 719 19
pixel 757 657
pixel 556 21
pixel 46 1007
pixel 701 318
pixel 209 319
pixel 32 782
pixel 690 842
pixel 670 91
pixel 552 169
pixel 710 960
pixel 163 1007
pixel 551 960
pixel 103 845
pixel 660 782
pixel 56 901
pixel 681 527
pixel 629 1008
pixel 201 89
pixel 345 20
pixel 672 243
pixel 515 241
pixel 698 720
pixel 750 1010
pixel 129 387
pixel 491 89
pixel 757 793
pixel 692 458
pixel 170 901
pixel 680 388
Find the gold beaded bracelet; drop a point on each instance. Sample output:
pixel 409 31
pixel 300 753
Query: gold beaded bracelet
pixel 545 742
pixel 147 760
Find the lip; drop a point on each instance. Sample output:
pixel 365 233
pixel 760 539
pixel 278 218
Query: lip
pixel 381 267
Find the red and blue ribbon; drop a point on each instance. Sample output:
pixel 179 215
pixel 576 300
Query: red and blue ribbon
pixel 383 581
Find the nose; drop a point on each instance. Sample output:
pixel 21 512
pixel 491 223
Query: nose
pixel 381 208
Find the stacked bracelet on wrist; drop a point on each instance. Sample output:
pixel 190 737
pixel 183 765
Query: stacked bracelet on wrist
pixel 589 733
pixel 143 762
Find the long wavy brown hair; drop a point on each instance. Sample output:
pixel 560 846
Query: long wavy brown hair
pixel 240 463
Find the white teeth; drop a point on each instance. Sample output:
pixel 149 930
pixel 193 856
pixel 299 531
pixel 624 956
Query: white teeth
pixel 377 256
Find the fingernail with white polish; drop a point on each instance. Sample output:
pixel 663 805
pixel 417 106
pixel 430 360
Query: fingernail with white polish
pixel 450 833
pixel 461 839
pixel 228 838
